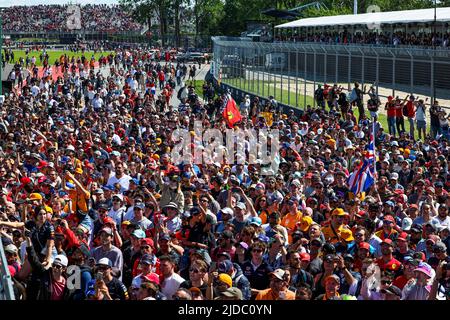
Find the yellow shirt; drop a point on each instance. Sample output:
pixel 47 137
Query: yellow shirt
pixel 330 236
pixel 79 200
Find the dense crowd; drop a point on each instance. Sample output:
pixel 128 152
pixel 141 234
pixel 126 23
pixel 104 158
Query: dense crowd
pixel 421 39
pixel 91 196
pixel 100 18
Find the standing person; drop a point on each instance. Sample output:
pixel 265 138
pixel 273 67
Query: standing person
pixel 391 115
pixel 108 250
pixel 410 113
pixel 399 120
pixel 421 119
pixel 357 97
pixel 435 124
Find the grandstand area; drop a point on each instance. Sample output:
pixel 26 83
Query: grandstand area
pixel 100 18
pixel 395 28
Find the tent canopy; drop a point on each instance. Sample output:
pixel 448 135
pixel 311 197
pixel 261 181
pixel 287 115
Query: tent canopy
pixel 391 17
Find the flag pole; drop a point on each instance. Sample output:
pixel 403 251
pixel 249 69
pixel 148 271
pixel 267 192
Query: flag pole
pixel 374 151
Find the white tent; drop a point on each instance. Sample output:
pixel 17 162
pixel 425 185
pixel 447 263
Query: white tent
pixel 391 17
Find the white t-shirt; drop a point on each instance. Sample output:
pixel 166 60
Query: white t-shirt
pixel 124 181
pixel 171 285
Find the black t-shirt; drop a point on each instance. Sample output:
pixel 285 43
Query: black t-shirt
pixel 188 284
pixel 40 236
pixel 259 278
pixel 117 290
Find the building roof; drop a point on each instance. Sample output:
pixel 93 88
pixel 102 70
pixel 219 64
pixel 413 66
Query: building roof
pixel 391 17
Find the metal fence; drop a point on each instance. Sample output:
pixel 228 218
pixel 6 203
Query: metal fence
pixel 6 289
pixel 291 72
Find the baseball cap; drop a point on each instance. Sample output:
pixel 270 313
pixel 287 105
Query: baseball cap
pixel 387 241
pixel 148 241
pixel 138 233
pixel 406 224
pixel 255 220
pixel 118 196
pixel 151 277
pixel 146 259
pixel 225 266
pixel 403 236
pixel 107 230
pixel 389 218
pixel 305 256
pixel 104 262
pixel 11 248
pixel 364 245
pixel 233 292
pixel 241 206
pixel 390 203
pixel 280 274
pixel 225 278
pixel 338 212
pixel 424 268
pixel 61 260
pixel 35 196
pixel 227 211
pixel 139 205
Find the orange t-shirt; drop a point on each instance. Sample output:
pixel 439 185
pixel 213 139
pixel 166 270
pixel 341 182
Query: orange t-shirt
pixel 290 221
pixel 268 294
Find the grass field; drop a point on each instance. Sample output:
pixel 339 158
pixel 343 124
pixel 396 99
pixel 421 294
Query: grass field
pixel 56 54
pixel 289 97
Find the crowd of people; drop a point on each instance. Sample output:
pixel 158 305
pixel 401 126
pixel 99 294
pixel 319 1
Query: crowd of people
pixel 89 185
pixel 94 17
pixel 422 39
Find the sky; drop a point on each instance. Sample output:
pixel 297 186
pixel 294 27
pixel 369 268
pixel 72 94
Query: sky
pixel 9 3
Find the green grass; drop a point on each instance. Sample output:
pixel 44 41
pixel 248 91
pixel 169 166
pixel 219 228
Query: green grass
pixel 56 54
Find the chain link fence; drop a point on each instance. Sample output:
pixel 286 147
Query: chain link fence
pixel 291 72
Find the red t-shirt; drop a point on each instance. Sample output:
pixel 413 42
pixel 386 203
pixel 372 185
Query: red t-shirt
pixel 391 111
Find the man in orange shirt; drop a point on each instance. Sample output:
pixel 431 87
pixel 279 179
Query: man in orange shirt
pixel 332 232
pixel 278 290
pixel 291 219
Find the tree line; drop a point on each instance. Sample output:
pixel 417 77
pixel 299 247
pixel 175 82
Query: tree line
pixel 230 17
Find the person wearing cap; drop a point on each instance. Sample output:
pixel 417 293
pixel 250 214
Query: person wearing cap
pixel 402 249
pixel 225 245
pixel 119 176
pixel 278 288
pixel 388 231
pixel 117 210
pixel 387 262
pixel 419 289
pixel 226 214
pixel 170 190
pixel 392 292
pixel 240 281
pixel 292 218
pixel 80 257
pixel 108 250
pixel 139 218
pixel 173 221
pixel 108 287
pixel 147 248
pixel 51 283
pixel 12 257
pixel 146 264
pixel 231 294
pixel 332 232
pixel 332 285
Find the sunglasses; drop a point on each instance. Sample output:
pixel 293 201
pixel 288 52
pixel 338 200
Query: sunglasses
pixel 194 270
pixel 257 250
pixel 57 266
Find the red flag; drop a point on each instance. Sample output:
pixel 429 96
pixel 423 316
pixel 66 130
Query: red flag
pixel 231 113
